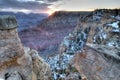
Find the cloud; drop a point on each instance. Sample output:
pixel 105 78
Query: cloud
pixel 54 5
pixel 48 0
pixel 85 5
pixel 33 5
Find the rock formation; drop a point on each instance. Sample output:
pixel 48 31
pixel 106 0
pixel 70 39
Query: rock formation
pixel 100 59
pixel 16 62
pixel 99 62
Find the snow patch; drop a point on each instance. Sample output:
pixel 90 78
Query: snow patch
pixel 114 25
pixel 112 43
pixel 116 30
pixel 59 63
pixel 117 17
pixel 66 42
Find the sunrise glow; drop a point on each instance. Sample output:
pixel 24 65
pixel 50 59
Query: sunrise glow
pixel 50 12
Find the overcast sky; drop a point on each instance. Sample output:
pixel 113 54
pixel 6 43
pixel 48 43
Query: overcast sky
pixel 49 6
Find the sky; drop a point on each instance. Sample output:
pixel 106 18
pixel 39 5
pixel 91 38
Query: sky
pixel 50 6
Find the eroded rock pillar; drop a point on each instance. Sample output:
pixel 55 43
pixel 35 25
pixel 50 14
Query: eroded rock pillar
pixel 11 52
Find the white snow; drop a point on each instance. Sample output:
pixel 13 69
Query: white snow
pixel 62 75
pixel 104 35
pixel 110 44
pixel 116 30
pixel 112 16
pixel 59 63
pixel 114 25
pixel 117 17
pixel 55 76
pixel 84 35
pixel 96 17
pixel 113 44
pixel 66 41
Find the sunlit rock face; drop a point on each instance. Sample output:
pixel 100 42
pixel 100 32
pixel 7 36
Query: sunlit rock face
pixel 16 62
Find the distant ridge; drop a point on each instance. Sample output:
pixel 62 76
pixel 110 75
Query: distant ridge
pixel 62 19
pixel 24 20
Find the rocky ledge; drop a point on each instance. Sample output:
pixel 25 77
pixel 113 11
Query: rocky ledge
pixel 18 62
pixel 100 62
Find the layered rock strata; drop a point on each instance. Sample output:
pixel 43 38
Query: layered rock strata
pixel 16 62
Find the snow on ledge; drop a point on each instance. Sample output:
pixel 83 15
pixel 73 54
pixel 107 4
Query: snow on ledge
pixel 114 25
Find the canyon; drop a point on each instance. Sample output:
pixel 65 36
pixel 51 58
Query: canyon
pixel 63 46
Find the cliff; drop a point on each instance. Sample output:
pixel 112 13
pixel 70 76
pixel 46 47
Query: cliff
pixel 51 32
pixel 99 59
pixel 17 62
pixel 91 50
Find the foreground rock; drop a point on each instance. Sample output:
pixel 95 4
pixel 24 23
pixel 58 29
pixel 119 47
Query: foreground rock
pixel 16 62
pixel 40 69
pixel 98 65
pixel 100 60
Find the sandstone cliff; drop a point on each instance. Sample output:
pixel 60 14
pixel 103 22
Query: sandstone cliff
pixel 16 62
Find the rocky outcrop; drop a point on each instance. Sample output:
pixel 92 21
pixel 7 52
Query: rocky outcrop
pixel 16 62
pixel 40 69
pixel 8 22
pixel 97 63
pixel 104 24
pixel 100 60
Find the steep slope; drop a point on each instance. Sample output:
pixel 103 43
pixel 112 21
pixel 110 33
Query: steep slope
pixel 100 59
pixel 50 32
pixel 105 26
